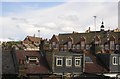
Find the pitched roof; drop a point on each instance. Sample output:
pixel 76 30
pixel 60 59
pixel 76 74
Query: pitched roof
pixel 93 67
pixel 9 63
pixel 39 68
pixel 33 39
pixel 55 38
pixel 36 69
pixel 104 36
pixel 21 54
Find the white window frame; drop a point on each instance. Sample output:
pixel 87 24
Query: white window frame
pixel 117 47
pixel 114 60
pixel 77 59
pixel 33 58
pixel 69 59
pixel 87 47
pixel 119 60
pixel 57 59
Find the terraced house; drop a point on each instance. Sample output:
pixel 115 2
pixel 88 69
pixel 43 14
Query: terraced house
pixel 93 54
pixel 101 49
pixel 105 39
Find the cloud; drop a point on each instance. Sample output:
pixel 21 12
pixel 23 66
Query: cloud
pixel 59 0
pixel 67 17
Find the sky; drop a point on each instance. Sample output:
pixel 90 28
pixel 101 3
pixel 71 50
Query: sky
pixel 20 18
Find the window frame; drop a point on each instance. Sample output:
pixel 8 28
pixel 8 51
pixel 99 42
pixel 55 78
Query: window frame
pixel 114 60
pixel 119 60
pixel 106 47
pixel 78 46
pixel 73 47
pixel 69 59
pixel 33 59
pixel 117 46
pixel 65 46
pixel 77 59
pixel 59 58
pixel 87 47
pixel 89 61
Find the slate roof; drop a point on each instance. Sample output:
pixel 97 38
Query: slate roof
pixel 89 37
pixel 9 63
pixel 40 68
pixel 93 67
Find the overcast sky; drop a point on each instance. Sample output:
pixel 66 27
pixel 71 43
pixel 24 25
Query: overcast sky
pixel 20 19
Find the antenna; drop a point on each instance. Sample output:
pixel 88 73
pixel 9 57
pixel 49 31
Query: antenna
pixel 38 33
pixel 95 31
pixel 95 22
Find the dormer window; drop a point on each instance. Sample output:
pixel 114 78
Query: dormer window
pixel 82 44
pixel 78 46
pixel 69 41
pixel 69 45
pixel 112 44
pixel 106 47
pixel 97 40
pixel 73 46
pixel 88 60
pixel 32 60
pixel 53 44
pixel 65 46
pixel 87 47
pixel 117 47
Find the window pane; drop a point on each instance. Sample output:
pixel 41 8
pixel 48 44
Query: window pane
pixel 114 60
pixel 69 44
pixel 119 60
pixel 68 61
pixel 88 60
pixel 82 44
pixel 117 47
pixel 78 46
pixel 59 61
pixel 77 61
pixel 112 45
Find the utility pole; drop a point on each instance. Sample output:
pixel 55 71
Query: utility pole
pixel 39 36
pixel 95 31
pixel 38 33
